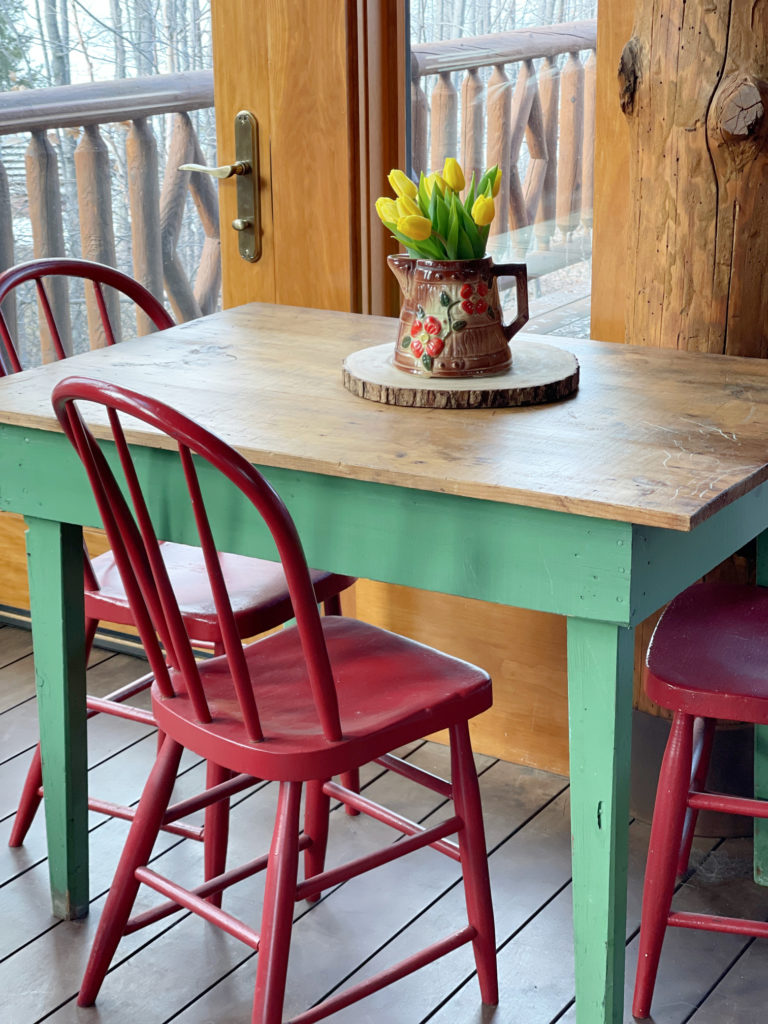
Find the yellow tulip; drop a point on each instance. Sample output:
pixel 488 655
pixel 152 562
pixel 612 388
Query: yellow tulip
pixel 407 207
pixel 387 210
pixel 402 184
pixel 483 210
pixel 453 174
pixel 418 228
pixel 434 179
pixel 496 182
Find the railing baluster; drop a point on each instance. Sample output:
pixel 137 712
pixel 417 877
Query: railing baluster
pixel 97 235
pixel 497 146
pixel 144 199
pixel 7 258
pixel 472 118
pixel 536 139
pixel 445 106
pixel 419 116
pixel 172 198
pixel 205 197
pixel 549 88
pixel 568 208
pixel 588 148
pixel 521 109
pixel 44 191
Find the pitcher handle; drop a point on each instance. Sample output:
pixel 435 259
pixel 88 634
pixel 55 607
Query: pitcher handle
pixel 520 272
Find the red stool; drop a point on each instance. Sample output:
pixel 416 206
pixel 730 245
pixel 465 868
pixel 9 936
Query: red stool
pixel 318 699
pixel 708 660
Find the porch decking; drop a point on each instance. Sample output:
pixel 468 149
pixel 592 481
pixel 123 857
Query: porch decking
pixel 195 974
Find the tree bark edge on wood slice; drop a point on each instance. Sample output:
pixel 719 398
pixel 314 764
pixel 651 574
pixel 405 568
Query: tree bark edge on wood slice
pixel 540 373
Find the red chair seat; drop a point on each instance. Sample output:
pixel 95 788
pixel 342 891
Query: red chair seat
pixel 257 589
pixel 391 690
pixel 709 654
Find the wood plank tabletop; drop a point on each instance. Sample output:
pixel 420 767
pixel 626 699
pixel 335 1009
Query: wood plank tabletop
pixel 653 437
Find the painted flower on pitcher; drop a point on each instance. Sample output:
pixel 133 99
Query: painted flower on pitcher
pixel 425 340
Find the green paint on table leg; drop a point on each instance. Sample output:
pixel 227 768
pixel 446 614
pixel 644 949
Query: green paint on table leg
pixel 761 748
pixel 600 660
pixel 55 557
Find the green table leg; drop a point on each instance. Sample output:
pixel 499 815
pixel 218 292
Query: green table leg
pixel 600 663
pixel 761 748
pixel 55 556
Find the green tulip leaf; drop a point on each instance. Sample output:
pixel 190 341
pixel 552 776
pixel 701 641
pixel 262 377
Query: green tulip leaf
pixel 459 325
pixel 445 299
pixel 423 195
pixel 470 194
pixel 442 214
pixel 427 360
pixel 476 241
pixel 452 239
pixel 464 247
pixel 406 342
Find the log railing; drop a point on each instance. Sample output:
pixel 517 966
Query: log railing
pixel 535 85
pixel 156 207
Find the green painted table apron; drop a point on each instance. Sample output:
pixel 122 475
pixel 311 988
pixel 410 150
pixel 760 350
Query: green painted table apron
pixel 605 574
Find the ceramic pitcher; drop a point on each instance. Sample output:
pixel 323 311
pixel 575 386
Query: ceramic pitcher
pixel 450 320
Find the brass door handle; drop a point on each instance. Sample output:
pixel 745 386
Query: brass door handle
pixel 245 169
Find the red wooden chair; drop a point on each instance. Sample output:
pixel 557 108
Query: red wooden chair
pixel 315 700
pixel 708 660
pixel 257 587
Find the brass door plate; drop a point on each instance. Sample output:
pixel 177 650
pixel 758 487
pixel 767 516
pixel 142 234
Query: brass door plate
pixel 248 221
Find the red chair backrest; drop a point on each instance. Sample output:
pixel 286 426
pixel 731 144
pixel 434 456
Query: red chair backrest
pixel 98 274
pixel 134 543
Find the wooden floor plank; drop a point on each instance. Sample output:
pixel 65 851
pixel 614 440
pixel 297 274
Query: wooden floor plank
pixel 359 926
pixel 351 924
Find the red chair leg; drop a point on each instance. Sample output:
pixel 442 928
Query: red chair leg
pixel 663 855
pixel 29 802
pixel 474 861
pixel 279 903
pixel 136 853
pixel 703 739
pixel 216 829
pixel 316 814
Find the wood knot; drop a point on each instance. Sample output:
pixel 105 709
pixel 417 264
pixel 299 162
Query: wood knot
pixel 739 108
pixel 630 73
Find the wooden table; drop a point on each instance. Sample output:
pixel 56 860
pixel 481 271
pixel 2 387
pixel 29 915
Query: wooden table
pixel 599 508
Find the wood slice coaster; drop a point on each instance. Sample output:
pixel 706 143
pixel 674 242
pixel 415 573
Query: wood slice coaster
pixel 540 373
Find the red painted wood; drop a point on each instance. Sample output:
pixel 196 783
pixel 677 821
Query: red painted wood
pixel 708 660
pixel 257 588
pixel 318 699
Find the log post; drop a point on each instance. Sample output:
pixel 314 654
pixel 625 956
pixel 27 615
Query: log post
pixel 97 235
pixel 694 97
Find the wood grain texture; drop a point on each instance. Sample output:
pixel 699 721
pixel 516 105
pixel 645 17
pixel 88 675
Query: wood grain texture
pixel 296 85
pixel 611 177
pixel 623 448
pixel 540 373
pixel 694 95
